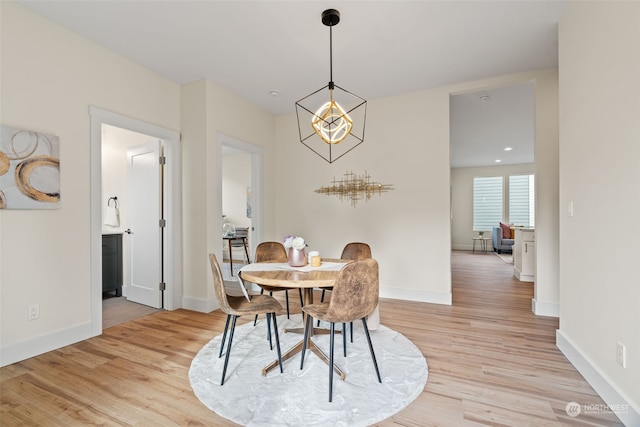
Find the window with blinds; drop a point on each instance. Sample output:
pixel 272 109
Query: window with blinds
pixel 487 202
pixel 522 200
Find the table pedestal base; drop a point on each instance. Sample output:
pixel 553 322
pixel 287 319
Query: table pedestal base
pixel 297 349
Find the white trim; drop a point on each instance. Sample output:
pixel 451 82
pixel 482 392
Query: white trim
pixel 32 347
pixel 416 295
pixel 173 237
pixel 550 309
pixel 605 388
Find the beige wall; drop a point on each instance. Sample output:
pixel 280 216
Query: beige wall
pixel 49 79
pixel 600 174
pixel 462 200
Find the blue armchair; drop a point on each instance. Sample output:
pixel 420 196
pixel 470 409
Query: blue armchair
pixel 500 244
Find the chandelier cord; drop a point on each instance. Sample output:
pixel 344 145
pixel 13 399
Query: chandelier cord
pixel 331 57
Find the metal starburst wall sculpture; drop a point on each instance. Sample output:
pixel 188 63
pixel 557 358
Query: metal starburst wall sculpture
pixel 354 187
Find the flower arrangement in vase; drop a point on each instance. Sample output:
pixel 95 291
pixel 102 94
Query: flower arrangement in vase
pixel 295 247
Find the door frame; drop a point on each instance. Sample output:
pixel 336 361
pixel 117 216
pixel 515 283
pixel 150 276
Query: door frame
pixel 257 166
pixel 172 247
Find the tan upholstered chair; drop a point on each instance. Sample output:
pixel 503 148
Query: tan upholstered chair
pixel 274 252
pixel 236 306
pixel 355 251
pixel 355 295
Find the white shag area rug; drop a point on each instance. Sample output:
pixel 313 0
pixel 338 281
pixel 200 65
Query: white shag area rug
pixel 301 397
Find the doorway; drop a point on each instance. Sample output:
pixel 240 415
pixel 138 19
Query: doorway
pixel 241 200
pixel 171 247
pixel 492 137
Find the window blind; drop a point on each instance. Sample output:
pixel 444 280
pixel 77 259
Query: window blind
pixel 522 200
pixel 487 202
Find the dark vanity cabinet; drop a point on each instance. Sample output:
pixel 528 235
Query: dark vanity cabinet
pixel 112 264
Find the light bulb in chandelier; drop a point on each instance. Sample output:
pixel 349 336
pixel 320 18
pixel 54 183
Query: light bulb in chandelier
pixel 332 123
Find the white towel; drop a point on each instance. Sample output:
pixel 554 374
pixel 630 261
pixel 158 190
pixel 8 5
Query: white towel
pixel 112 216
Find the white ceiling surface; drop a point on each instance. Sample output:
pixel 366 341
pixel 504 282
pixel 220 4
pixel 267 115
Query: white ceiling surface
pixel 485 123
pixel 380 48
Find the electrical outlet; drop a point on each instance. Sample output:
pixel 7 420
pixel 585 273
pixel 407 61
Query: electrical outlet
pixel 33 312
pixel 621 354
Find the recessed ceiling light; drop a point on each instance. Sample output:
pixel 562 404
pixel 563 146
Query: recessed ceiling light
pixel 484 98
pixel 498 161
pixel 274 93
pixel 508 148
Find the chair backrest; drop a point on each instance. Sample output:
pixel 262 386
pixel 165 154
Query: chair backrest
pixel 271 251
pixel 218 284
pixel 356 251
pixel 355 292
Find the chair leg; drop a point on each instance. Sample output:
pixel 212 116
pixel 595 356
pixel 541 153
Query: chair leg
pixel 269 331
pixel 286 296
pixel 351 331
pixel 307 325
pixel 344 338
pixel 373 355
pixel 226 358
pixel 268 324
pixel 275 327
pixel 255 320
pixel 331 339
pixel 321 300
pixel 224 335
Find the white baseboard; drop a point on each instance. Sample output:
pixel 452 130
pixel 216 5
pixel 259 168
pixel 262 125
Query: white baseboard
pixel 550 309
pixel 616 400
pixel 13 353
pixel 200 305
pixel 416 295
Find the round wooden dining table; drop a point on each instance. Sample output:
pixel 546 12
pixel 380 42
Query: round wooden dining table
pixel 279 274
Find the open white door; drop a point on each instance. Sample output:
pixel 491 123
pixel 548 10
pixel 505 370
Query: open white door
pixel 144 181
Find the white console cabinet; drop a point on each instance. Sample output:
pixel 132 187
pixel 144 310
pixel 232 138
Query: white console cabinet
pixel 524 254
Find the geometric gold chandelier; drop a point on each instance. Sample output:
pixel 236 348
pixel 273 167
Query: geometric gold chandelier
pixel 331 120
pixel 354 187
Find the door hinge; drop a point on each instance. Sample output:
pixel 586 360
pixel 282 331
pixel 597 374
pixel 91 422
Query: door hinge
pixel 162 223
pixel 163 160
pixel 163 286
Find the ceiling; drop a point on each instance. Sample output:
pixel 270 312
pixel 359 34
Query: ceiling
pixel 380 48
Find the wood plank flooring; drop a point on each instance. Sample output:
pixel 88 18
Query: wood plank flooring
pixel 491 363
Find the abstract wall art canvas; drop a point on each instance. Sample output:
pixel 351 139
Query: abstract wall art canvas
pixel 29 169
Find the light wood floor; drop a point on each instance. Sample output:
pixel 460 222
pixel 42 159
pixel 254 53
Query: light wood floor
pixel 491 362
